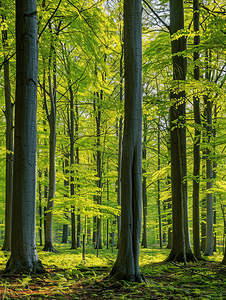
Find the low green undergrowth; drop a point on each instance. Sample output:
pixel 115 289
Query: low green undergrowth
pixel 69 277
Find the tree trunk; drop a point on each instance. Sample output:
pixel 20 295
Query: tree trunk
pixel 24 255
pixel 66 185
pixel 40 207
pixel 120 147
pixel 224 258
pixel 209 184
pixel 144 242
pixel 9 150
pixel 127 263
pixel 158 201
pixel 97 110
pixel 181 250
pixel 197 138
pixel 48 247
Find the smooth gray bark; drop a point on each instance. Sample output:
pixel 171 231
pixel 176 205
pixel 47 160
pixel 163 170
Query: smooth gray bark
pixel 66 186
pixel 24 255
pixel 119 194
pixel 51 117
pixel 97 110
pixel 209 185
pixel 197 138
pixel 71 126
pixel 127 263
pixel 181 249
pixel 144 242
pixel 158 200
pixel 209 171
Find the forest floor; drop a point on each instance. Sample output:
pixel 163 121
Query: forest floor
pixel 69 278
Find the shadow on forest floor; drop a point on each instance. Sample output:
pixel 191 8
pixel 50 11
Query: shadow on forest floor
pixel 67 278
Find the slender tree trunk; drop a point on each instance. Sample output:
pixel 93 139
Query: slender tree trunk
pixel 127 262
pixel 72 161
pixel 40 206
pixel 209 184
pixel 9 149
pixel 224 258
pixel 181 250
pixel 158 201
pixel 24 255
pixel 214 177
pixel 197 138
pixel 48 247
pixel 144 242
pixel 97 109
pixel 66 185
pixel 120 147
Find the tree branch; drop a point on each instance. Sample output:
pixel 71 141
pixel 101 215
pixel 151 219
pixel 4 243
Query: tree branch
pixel 157 16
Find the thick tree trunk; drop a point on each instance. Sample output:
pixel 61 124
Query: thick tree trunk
pixel 127 263
pixel 24 255
pixel 181 250
pixel 9 150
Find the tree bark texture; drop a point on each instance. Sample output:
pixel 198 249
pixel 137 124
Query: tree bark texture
pixel 24 255
pixel 9 150
pixel 127 263
pixel 196 147
pixel 52 169
pixel 181 249
pixel 209 183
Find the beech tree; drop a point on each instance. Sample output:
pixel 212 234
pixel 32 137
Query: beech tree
pixel 181 249
pixel 23 245
pixel 127 262
pixel 196 146
pixel 9 146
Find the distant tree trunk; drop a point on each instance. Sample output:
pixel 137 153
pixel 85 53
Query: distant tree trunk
pixel 97 110
pixel 120 146
pixel 79 227
pixel 203 225
pixel 51 117
pixel 127 263
pixel 72 161
pixel 66 185
pixel 224 258
pixel 144 242
pixel 48 247
pixel 158 200
pixel 214 177
pixel 9 149
pixel 40 206
pixel 209 184
pixel 209 170
pixel 24 255
pixel 197 138
pixel 181 250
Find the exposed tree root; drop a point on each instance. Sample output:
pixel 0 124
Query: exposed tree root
pixel 179 257
pixel 50 249
pixel 120 273
pixel 16 266
pixel 5 249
